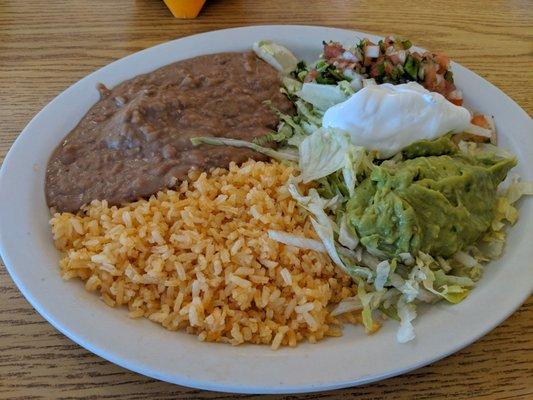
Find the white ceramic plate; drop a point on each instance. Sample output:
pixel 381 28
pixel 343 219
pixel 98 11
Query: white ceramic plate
pixel 27 250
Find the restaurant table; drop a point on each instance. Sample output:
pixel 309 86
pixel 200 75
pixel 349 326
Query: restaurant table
pixel 45 46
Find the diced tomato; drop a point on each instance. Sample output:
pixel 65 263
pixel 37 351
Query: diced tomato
pixel 443 60
pixel 333 50
pixel 416 55
pixel 440 84
pixel 344 64
pixel 430 76
pixel 481 121
pixel 386 65
pixel 374 71
pixel 454 95
pixel 394 59
pixel 450 87
pixel 311 76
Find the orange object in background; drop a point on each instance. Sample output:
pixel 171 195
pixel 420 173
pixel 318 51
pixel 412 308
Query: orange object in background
pixel 185 8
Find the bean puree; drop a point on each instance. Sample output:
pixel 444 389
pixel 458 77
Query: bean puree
pixel 135 140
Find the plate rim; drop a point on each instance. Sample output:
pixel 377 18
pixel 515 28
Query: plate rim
pixel 208 385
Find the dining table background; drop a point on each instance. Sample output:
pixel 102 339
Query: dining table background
pixel 46 46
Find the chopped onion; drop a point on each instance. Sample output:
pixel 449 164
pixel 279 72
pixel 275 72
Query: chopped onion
pixel 402 55
pixel 349 56
pixel 372 51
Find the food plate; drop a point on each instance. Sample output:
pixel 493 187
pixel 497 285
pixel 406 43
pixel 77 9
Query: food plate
pixel 27 249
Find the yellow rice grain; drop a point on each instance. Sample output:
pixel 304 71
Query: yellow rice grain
pixel 199 258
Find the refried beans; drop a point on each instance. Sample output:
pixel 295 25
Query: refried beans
pixel 135 140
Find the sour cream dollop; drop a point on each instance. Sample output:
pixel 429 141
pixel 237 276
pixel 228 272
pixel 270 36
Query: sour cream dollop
pixel 389 117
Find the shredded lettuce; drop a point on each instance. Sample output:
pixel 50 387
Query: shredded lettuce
pixel 442 279
pixel 217 141
pixel 517 189
pixel 325 232
pixel 292 129
pixel 308 115
pixel 322 224
pixel 322 153
pixel 322 96
pixel 276 55
pixel 296 241
pixel 382 274
pixel 291 86
pixel 347 88
pixel 492 245
pixel 357 163
pixel 453 293
pixel 406 313
pixel 347 234
pixel 351 268
pixel 389 285
pixel 292 123
pixel 407 258
pixel 409 287
pixel 329 150
pixel 370 302
pixel 348 304
pixel 466 259
pixel 284 134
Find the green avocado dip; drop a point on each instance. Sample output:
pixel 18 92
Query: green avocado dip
pixel 437 204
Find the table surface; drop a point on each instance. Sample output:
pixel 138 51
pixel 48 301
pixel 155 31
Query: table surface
pixel 45 46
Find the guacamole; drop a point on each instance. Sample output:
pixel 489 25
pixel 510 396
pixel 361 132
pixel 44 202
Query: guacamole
pixel 437 204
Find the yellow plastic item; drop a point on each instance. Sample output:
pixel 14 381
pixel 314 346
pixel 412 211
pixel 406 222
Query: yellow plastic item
pixel 185 8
